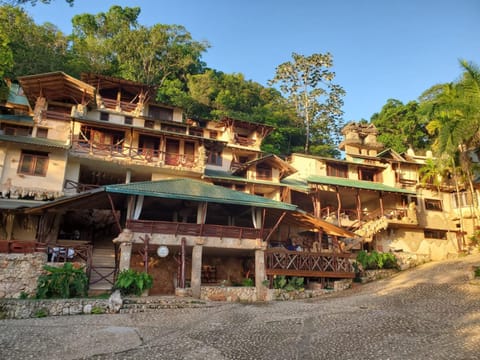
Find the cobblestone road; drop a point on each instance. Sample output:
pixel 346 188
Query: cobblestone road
pixel 431 312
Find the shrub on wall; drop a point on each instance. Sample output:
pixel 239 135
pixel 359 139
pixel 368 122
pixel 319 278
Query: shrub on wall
pixel 375 260
pixel 131 282
pixel 63 282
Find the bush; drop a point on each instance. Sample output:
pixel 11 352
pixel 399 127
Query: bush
pixel 288 284
pixel 62 282
pixel 248 282
pixel 375 260
pixel 131 282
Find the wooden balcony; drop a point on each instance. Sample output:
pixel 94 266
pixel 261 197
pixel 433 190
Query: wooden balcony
pixel 189 229
pixel 279 261
pixel 129 153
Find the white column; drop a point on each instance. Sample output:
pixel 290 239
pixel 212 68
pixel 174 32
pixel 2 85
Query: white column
pixel 196 279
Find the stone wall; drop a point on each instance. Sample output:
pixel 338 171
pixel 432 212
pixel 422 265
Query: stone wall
pixel 24 309
pixel 228 293
pixel 19 273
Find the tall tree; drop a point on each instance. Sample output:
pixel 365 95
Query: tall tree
pixel 307 82
pixel 23 40
pixel 401 126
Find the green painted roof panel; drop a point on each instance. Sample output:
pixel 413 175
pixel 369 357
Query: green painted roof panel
pixel 35 141
pixel 194 190
pixel 358 184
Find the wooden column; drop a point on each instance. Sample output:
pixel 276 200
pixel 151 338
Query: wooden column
pixel 196 279
pixel 381 204
pixel 359 206
pixel 339 207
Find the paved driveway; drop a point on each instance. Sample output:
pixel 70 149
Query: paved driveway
pixel 431 312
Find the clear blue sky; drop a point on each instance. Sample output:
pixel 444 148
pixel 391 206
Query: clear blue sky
pixel 382 48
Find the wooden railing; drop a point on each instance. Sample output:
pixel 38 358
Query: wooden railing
pixel 127 152
pixel 176 228
pixel 74 186
pixel 22 247
pixel 280 261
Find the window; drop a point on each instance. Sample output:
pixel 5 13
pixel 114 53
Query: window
pixel 160 113
pixel 367 174
pixel 213 134
pixel 432 204
pixel 435 234
pixel 15 130
pixel 264 172
pixel 214 158
pixel 33 163
pixel 150 124
pixel 462 199
pixel 42 133
pixel 104 116
pixel 338 170
pixel 128 120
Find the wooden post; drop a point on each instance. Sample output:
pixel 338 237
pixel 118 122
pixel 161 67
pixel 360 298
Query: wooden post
pixel 182 263
pixel 339 207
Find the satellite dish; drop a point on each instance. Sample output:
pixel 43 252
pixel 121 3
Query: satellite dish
pixel 162 251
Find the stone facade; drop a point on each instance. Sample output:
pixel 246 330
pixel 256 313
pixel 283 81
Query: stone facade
pixel 19 273
pixel 229 293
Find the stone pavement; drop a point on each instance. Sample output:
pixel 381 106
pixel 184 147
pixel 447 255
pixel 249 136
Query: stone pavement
pixel 430 312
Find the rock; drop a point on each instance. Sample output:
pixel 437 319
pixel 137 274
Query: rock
pixel 87 309
pixel 115 302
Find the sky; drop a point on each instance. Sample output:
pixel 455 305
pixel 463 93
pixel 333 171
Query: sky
pixel 382 49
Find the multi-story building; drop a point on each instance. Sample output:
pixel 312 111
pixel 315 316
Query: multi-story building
pixel 83 159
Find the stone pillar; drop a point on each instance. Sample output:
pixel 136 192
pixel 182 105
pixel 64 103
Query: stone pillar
pixel 125 256
pixel 260 275
pixel 196 279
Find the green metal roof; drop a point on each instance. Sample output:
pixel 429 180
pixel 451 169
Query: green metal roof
pixel 24 119
pixel 358 184
pixel 194 190
pixel 224 175
pixel 16 96
pixel 35 141
pixel 296 183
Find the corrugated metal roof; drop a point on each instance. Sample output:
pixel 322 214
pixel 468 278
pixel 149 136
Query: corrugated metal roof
pixel 35 141
pixel 296 183
pixel 224 175
pixel 358 184
pixel 16 96
pixel 23 119
pixel 194 190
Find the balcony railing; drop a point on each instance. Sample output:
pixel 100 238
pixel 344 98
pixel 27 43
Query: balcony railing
pixel 176 228
pixel 144 155
pixel 279 261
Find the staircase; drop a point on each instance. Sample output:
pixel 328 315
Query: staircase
pixel 103 267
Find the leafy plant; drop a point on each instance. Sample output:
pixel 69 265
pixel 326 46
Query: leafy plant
pixel 248 282
pixel 23 295
pixel 98 310
pixel 64 282
pixel 477 271
pixel 131 282
pixel 40 313
pixel 288 284
pixel 375 260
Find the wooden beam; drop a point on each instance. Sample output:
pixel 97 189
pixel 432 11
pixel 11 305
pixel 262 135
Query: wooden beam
pixel 275 227
pixel 115 215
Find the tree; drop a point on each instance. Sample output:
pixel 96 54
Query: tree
pixel 32 2
pixel 308 83
pixel 401 126
pixel 23 40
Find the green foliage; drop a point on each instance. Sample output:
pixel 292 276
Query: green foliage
pixel 307 82
pixel 248 282
pixel 23 295
pixel 401 125
pixel 98 310
pixel 41 313
pixel 63 282
pixel 131 282
pixel 375 260
pixel 288 284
